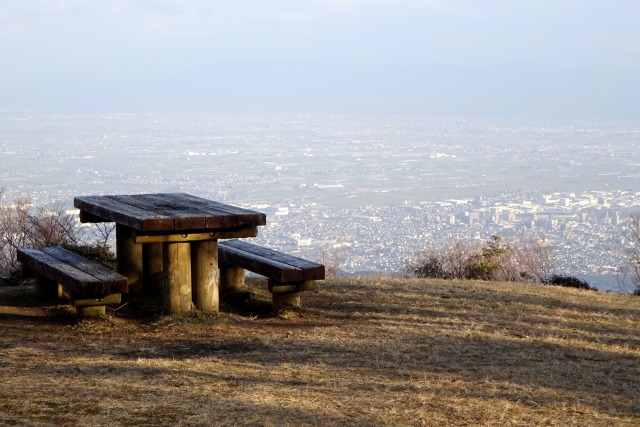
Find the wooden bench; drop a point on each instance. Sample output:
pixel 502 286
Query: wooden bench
pixel 89 285
pixel 288 275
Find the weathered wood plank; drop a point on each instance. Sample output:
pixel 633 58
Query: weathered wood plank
pixel 203 216
pixel 113 281
pixel 244 217
pixel 98 300
pixel 311 270
pixel 270 268
pixel 194 236
pixel 113 210
pixel 184 218
pixel 166 212
pixel 276 288
pixel 75 280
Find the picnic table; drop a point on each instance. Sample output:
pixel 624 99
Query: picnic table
pixel 170 241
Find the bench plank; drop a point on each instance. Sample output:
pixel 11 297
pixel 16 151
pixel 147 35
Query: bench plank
pixel 100 272
pixel 310 270
pixel 263 266
pixel 75 276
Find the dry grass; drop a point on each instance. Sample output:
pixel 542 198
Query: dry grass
pixel 363 352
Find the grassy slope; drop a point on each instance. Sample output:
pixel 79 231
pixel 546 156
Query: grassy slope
pixel 363 352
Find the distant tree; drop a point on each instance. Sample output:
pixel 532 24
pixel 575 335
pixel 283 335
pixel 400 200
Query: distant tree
pixel 333 261
pixel 494 262
pixel 632 271
pixel 430 265
pixel 496 259
pixel 451 262
pixel 534 259
pixel 23 225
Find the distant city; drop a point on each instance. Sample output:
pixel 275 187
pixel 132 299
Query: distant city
pixel 371 189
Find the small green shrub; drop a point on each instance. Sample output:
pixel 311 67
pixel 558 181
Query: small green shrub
pixel 97 252
pixel 569 282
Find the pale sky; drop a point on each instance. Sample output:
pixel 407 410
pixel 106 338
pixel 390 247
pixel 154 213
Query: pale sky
pixel 576 58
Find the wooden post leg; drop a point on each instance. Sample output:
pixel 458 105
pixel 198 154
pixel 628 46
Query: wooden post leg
pixel 176 266
pixel 88 306
pixel 152 267
pixel 47 288
pixel 204 275
pixel 91 311
pixel 231 280
pixel 129 257
pixel 286 300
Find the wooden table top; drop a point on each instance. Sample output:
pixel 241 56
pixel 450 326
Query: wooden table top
pixel 166 212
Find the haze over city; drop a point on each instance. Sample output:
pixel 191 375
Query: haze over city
pixel 445 118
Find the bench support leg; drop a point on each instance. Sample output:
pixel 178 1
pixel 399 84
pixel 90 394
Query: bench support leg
pixel 176 267
pixel 152 266
pixel 286 300
pixel 46 287
pixel 91 307
pixel 231 280
pixel 129 257
pixel 204 275
pixel 91 311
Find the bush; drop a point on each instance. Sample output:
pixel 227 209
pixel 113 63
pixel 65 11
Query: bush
pixel 569 282
pixel 496 259
pixel 23 225
pixel 97 252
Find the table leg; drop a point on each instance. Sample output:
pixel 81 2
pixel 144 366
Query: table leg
pixel 46 287
pixel 129 256
pixel 152 266
pixel 176 266
pixel 231 280
pixel 204 275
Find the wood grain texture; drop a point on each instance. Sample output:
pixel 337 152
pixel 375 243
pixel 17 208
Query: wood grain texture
pixel 176 266
pixel 282 301
pixel 273 264
pixel 166 212
pixel 204 275
pixel 231 279
pixel 80 276
pixel 270 268
pixel 129 257
pixel 194 235
pixel 122 213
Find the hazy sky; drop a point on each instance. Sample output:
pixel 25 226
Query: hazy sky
pixel 476 57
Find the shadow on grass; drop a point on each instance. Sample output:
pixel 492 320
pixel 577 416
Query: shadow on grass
pixel 390 339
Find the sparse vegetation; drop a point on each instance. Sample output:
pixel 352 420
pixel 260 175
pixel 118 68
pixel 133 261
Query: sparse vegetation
pixel 632 271
pixel 373 351
pixel 498 260
pixel 24 225
pixel 569 282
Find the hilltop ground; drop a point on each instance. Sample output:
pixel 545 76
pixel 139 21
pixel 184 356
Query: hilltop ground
pixel 362 352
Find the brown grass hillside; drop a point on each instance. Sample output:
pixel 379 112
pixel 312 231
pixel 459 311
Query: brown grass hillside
pixel 363 352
